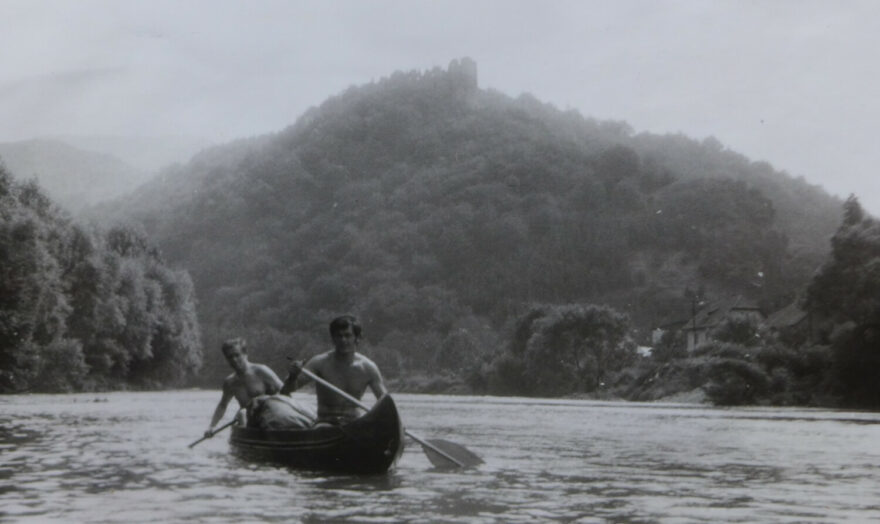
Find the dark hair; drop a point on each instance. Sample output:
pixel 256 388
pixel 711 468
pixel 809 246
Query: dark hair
pixel 234 343
pixel 340 323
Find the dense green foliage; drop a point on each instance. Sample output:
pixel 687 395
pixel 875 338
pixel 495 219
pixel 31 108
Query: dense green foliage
pixel 558 350
pixel 81 309
pixel 439 212
pixel 846 292
pixel 730 374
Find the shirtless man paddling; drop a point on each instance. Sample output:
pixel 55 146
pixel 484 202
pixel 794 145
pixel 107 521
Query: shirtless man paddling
pixel 343 367
pixel 247 382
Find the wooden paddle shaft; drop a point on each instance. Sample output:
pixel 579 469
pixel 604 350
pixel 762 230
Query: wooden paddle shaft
pixel 360 404
pixel 218 430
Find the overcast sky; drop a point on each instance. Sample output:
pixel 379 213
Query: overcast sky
pixel 792 82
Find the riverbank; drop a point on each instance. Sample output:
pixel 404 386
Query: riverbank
pixel 451 385
pixel 695 396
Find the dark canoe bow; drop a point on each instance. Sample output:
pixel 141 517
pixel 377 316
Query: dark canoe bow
pixel 369 444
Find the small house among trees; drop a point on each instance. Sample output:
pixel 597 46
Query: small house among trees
pixel 793 325
pixel 700 327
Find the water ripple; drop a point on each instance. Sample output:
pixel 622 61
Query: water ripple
pixel 125 458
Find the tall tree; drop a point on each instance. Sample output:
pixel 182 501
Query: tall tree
pixel 568 348
pixel 846 290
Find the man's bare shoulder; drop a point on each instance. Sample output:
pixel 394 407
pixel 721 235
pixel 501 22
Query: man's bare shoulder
pixel 263 369
pixel 320 358
pixel 363 358
pixel 365 361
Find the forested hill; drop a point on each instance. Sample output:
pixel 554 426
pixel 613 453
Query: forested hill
pixel 439 211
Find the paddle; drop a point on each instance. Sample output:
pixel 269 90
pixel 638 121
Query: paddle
pixel 441 453
pixel 218 430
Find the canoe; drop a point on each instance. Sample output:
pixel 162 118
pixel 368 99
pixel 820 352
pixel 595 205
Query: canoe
pixel 369 444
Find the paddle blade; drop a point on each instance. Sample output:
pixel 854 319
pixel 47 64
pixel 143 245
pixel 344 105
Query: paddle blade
pixel 460 453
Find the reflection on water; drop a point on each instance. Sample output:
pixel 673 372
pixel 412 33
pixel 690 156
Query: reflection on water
pixel 125 458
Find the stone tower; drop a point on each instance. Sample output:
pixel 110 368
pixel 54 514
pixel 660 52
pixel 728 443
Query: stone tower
pixel 463 74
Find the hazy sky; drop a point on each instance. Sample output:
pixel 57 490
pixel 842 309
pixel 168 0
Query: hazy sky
pixel 792 82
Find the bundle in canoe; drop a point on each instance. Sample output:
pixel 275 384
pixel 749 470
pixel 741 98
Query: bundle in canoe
pixel 369 444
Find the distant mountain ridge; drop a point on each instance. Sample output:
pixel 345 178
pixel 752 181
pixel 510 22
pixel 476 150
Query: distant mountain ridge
pixel 74 177
pixel 439 211
pixel 146 153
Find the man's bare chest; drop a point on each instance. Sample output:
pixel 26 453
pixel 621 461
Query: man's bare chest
pixel 249 386
pixel 352 378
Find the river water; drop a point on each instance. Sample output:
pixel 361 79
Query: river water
pixel 123 457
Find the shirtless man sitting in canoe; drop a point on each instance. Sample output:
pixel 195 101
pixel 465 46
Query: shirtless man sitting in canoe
pixel 343 367
pixel 249 382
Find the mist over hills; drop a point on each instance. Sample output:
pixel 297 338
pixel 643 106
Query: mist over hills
pixel 148 154
pixel 74 177
pixel 439 212
pixel 80 171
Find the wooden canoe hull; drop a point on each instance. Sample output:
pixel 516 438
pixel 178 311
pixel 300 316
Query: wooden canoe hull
pixel 370 444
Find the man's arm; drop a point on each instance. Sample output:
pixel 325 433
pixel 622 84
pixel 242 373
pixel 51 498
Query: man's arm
pixel 220 410
pixel 377 385
pixel 295 379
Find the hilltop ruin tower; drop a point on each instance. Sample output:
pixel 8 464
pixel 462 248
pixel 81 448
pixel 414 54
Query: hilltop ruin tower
pixel 462 74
